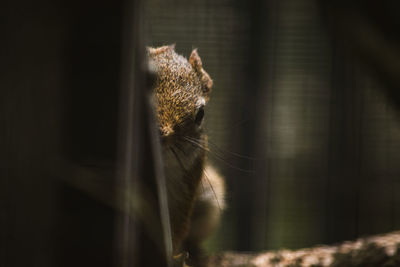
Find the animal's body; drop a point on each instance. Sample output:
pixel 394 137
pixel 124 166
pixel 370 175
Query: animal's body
pixel 195 190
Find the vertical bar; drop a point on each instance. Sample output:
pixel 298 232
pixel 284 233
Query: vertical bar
pixel 143 233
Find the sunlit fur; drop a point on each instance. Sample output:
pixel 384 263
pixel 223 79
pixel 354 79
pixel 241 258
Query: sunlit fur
pixel 182 88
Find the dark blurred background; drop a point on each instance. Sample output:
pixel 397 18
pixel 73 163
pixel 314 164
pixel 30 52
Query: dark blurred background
pixel 310 91
pixel 303 121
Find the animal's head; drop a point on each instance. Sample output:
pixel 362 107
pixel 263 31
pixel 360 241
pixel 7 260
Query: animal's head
pixel 182 90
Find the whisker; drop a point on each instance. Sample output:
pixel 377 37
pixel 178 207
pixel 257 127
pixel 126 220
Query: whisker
pixel 212 189
pixel 196 143
pixel 178 159
pixel 179 147
pixel 231 152
pixel 230 165
pixel 202 185
pixel 216 155
pixel 223 151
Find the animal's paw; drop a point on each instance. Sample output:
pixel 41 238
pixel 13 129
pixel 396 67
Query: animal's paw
pixel 180 260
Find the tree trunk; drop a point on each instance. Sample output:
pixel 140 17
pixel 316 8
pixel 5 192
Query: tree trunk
pixel 380 250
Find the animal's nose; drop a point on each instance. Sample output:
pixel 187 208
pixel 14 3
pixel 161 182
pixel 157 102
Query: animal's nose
pixel 166 131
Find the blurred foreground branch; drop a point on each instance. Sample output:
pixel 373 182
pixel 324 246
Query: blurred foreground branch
pixel 380 250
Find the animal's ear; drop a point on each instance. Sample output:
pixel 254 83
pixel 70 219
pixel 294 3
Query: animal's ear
pixel 197 65
pixel 159 50
pixel 195 60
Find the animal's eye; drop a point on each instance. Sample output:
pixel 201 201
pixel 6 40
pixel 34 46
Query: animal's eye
pixel 199 116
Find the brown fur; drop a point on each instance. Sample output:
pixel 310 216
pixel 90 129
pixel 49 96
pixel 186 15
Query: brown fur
pixel 181 90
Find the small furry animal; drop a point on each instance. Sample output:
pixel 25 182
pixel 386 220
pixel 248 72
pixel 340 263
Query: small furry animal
pixel 195 190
